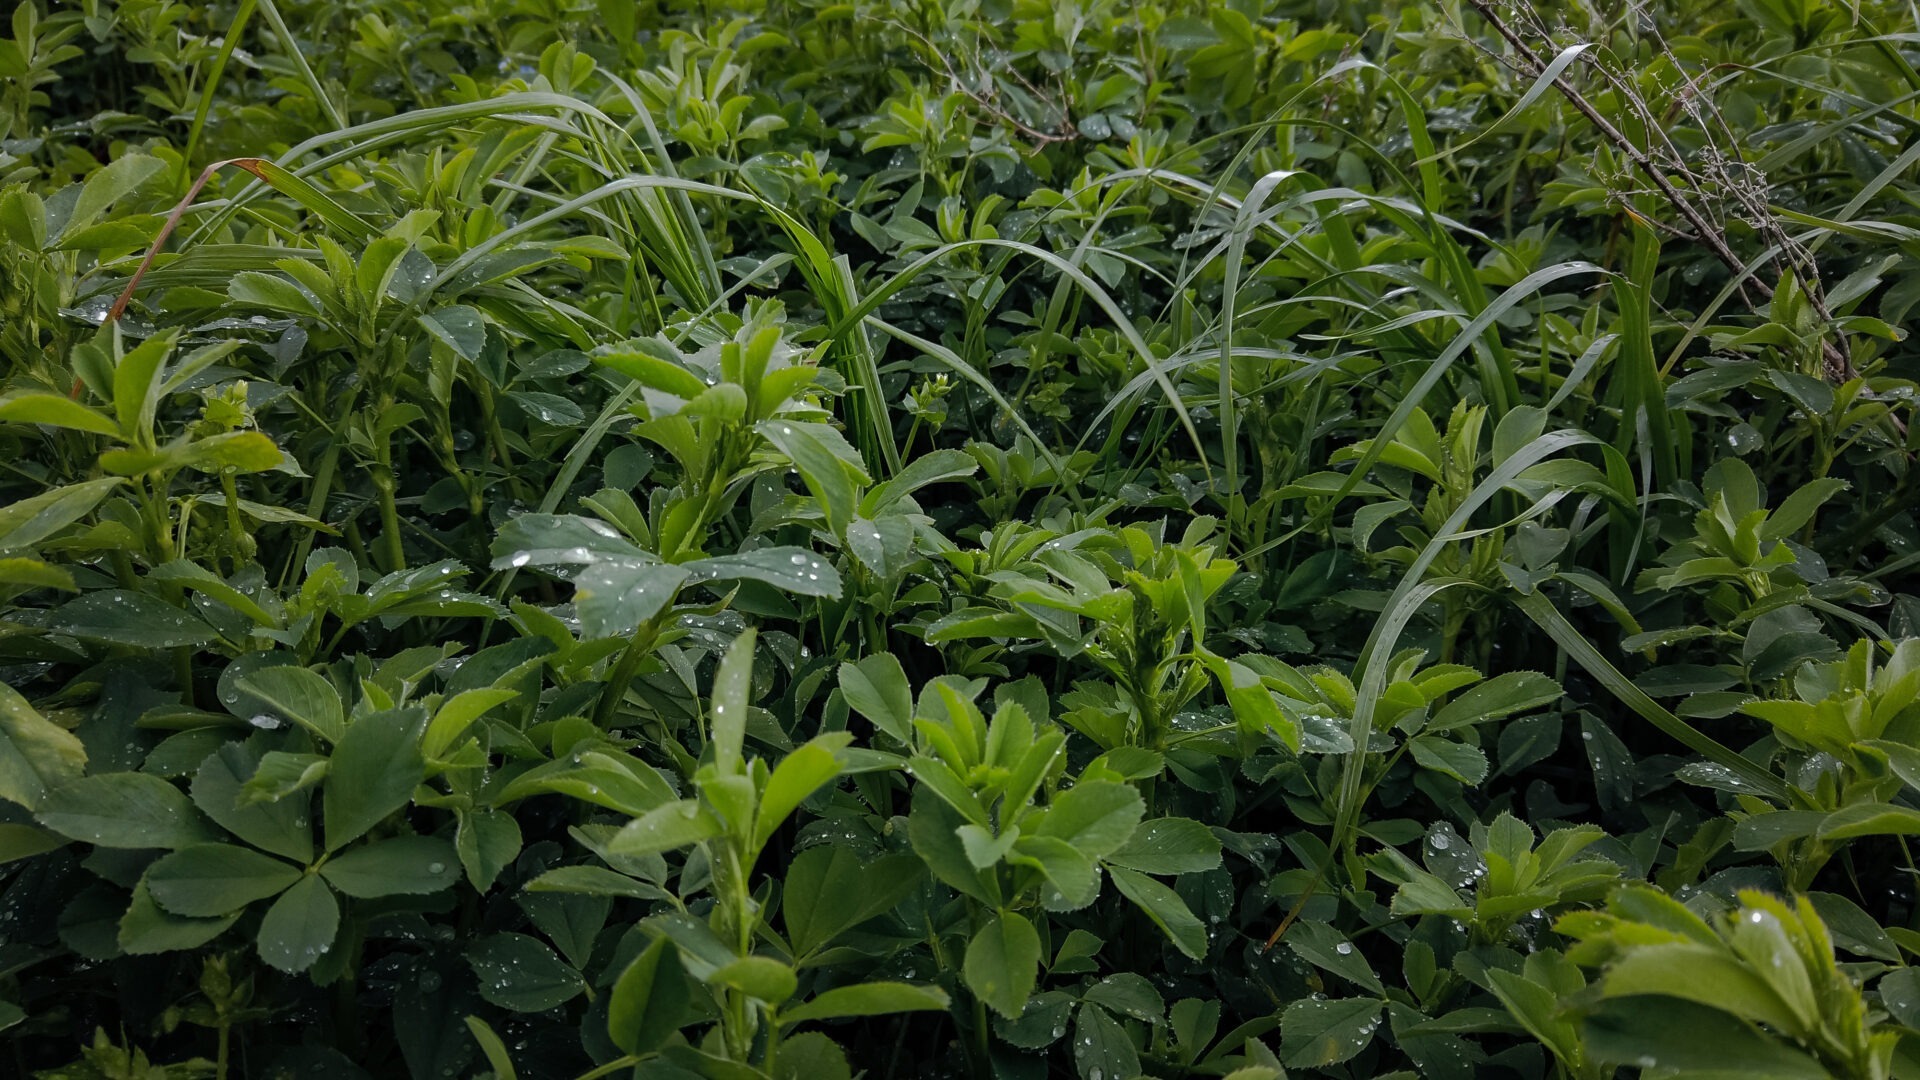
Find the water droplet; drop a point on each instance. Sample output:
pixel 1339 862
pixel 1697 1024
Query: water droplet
pixel 1439 842
pixel 265 722
pixel 436 868
pixel 799 559
pixel 1343 949
pixel 521 559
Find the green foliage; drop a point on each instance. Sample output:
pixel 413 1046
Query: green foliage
pixel 1004 538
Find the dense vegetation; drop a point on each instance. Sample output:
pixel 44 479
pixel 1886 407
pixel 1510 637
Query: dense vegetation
pixel 1011 538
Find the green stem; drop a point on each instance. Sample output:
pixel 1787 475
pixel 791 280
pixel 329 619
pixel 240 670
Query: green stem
pixel 323 480
pixel 611 1067
pixel 625 668
pixel 385 484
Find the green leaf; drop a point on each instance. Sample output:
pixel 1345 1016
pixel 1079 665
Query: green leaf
pixel 615 781
pixel 147 929
pixel 413 865
pixel 1315 1034
pixel 1128 994
pixel 732 690
pixel 519 972
pixel 26 522
pixel 1467 764
pixel 24 842
pixel 806 770
pixel 55 411
pixel 1685 1037
pixel 109 184
pixel 372 773
pixel 216 879
pixel 1095 817
pixel 1870 819
pixel 614 597
pixel 827 465
pixel 1798 508
pixel 300 926
pixel 831 888
pixel 36 754
pixel 876 687
pixel 1101 1045
pixel 649 1000
pixel 124 810
pixel 494 1049
pixel 654 372
pixel 1168 846
pixel 460 328
pixel 487 842
pixel 27 572
pixel 868 999
pixel 1501 696
pixel 791 569
pixel 1002 962
pixel 760 977
pixel 1328 949
pixel 270 291
pixel 458 714
pixel 122 617
pixel 279 827
pixel 281 775
pixel 675 825
pixel 136 387
pixel 1165 908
